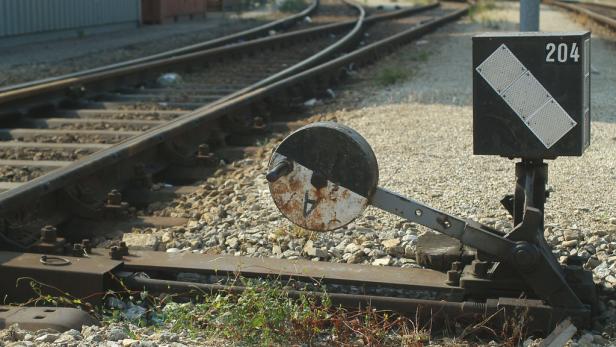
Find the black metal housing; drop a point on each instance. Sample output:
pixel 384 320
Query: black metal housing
pixel 500 130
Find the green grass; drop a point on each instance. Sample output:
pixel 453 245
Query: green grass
pixel 264 314
pixel 261 315
pixel 480 7
pixel 420 56
pixel 391 75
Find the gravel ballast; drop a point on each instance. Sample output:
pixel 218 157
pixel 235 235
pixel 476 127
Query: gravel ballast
pixel 420 131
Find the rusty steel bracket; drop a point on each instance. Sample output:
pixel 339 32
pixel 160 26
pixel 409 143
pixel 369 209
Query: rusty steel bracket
pixel 36 318
pixel 529 260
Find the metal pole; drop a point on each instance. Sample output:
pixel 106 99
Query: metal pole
pixel 529 15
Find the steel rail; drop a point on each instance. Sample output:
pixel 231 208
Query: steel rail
pixel 43 191
pixel 598 17
pixel 395 304
pixel 19 101
pixel 249 34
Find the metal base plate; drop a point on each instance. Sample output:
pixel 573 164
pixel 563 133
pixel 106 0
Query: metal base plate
pixel 36 318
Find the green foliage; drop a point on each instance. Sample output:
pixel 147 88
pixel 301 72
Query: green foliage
pixel 480 7
pixel 420 56
pixel 391 75
pixel 260 315
pixel 293 5
pixel 265 314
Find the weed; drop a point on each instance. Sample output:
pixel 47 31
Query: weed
pixel 265 313
pixel 392 75
pixel 420 56
pixel 480 7
pixel 295 232
pixel 261 142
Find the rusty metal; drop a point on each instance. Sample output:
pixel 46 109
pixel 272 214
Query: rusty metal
pixel 410 278
pixel 86 245
pixel 54 261
pixel 116 253
pixel 83 277
pixel 78 250
pixel 453 278
pixel 313 188
pixel 439 252
pixel 114 198
pixel 36 318
pixel 123 248
pixel 205 155
pixel 49 241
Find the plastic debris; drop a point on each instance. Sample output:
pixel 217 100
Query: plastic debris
pixel 310 103
pixel 331 93
pixel 134 312
pixel 307 19
pixel 114 302
pixel 169 79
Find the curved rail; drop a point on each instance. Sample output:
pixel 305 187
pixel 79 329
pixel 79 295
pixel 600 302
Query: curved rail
pixel 16 101
pixel 583 9
pixel 353 34
pixel 249 34
pixel 311 61
pixel 117 161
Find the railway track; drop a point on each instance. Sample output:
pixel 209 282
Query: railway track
pixel 102 141
pixel 601 13
pixel 280 25
pixel 62 137
pixel 118 132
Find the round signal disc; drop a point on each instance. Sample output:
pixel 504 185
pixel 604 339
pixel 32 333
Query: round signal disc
pixel 322 176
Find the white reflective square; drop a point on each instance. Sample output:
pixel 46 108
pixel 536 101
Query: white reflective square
pixel 550 123
pixel 501 69
pixel 526 95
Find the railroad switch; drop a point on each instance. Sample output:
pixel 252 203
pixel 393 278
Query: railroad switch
pixel 531 95
pixel 324 175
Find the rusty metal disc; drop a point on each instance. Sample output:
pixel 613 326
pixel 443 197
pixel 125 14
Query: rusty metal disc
pixel 322 176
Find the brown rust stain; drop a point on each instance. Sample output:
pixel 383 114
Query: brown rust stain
pixel 293 208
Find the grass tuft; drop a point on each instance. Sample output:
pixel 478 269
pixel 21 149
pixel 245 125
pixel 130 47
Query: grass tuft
pixel 265 314
pixel 391 75
pixel 480 7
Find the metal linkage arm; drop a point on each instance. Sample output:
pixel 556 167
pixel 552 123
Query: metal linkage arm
pixel 545 278
pixel 469 233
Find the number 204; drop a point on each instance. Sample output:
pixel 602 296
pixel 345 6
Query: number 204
pixel 561 53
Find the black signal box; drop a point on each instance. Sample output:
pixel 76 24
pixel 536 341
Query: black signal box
pixel 531 94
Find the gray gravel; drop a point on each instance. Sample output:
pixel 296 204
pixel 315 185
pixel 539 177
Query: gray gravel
pixel 113 335
pixel 40 60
